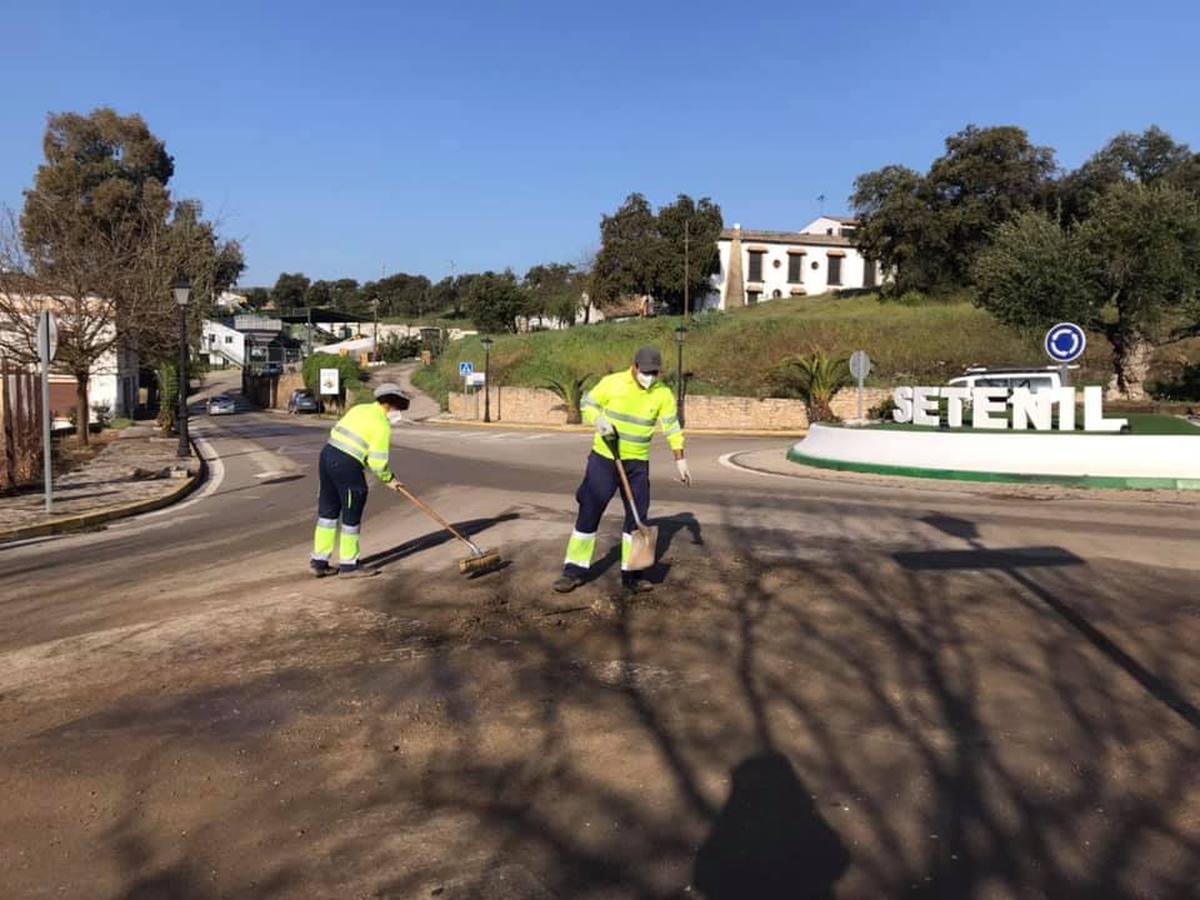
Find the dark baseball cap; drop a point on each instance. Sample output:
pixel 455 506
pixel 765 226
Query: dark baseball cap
pixel 648 359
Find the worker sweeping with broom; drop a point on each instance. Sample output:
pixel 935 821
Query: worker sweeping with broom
pixel 624 407
pixel 361 439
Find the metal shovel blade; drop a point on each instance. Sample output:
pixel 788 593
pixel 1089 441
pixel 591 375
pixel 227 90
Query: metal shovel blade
pixel 645 545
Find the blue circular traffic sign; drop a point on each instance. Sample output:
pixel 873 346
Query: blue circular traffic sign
pixel 1065 342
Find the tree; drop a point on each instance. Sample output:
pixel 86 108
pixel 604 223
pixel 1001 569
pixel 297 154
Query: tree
pixel 257 297
pixel 629 253
pixel 642 252
pixel 291 290
pixel 99 195
pixel 1147 158
pixel 319 295
pixel 348 298
pixel 398 295
pixel 1130 271
pixel 447 294
pixel 894 221
pixel 688 233
pixel 496 301
pixel 934 226
pixel 556 290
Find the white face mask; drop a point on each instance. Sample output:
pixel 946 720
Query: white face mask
pixel 645 380
pixel 395 416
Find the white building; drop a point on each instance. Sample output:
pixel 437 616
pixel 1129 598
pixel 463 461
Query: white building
pixel 771 265
pixel 224 346
pixel 113 377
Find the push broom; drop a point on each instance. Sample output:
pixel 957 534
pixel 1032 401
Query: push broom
pixel 479 561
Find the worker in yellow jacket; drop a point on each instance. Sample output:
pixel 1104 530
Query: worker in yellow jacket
pixel 629 404
pixel 361 440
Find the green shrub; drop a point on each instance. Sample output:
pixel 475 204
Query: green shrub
pixel 350 373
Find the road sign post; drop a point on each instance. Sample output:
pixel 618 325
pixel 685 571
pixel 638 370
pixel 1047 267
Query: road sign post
pixel 860 367
pixel 47 339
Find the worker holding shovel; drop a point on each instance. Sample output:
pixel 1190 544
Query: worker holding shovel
pixel 624 407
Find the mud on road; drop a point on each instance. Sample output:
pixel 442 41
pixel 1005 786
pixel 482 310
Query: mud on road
pixel 920 724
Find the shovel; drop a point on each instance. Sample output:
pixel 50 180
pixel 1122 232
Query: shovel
pixel 645 539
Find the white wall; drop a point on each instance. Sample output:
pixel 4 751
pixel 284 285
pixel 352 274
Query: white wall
pixel 231 342
pixel 1094 455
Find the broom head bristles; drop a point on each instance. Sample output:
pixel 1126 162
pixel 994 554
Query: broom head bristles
pixel 485 562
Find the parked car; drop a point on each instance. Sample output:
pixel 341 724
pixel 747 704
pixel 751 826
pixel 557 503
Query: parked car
pixel 302 401
pixel 221 405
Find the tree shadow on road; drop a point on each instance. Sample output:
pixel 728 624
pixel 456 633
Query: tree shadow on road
pixel 873 725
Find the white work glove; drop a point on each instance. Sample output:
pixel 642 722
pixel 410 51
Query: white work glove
pixel 685 474
pixel 604 427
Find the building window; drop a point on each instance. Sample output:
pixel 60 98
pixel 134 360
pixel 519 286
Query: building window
pixel 848 232
pixel 776 294
pixel 835 271
pixel 756 261
pixel 795 269
pixel 229 338
pixel 752 297
pixel 868 273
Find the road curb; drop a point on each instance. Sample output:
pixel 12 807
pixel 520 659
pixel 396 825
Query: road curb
pixel 584 429
pixel 68 524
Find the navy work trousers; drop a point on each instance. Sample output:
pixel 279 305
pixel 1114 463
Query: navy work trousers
pixel 343 487
pixel 600 482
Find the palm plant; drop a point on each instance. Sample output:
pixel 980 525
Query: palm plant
pixel 570 386
pixel 816 379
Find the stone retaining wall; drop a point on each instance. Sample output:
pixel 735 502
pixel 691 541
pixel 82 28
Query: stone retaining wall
pixel 535 406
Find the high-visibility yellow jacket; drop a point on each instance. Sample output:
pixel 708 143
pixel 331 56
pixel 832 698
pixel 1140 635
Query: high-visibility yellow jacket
pixel 366 434
pixel 633 411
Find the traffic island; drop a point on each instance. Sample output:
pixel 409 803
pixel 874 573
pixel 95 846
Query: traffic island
pixel 137 472
pixel 1123 461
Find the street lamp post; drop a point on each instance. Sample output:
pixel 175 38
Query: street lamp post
pixel 680 337
pixel 182 292
pixel 487 379
pixel 375 341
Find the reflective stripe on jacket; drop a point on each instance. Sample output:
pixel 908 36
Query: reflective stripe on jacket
pixel 365 434
pixel 634 412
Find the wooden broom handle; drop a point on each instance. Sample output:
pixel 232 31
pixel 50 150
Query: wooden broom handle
pixel 431 512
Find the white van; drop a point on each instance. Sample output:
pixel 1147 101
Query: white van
pixel 1034 379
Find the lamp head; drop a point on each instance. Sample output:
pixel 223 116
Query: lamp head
pixel 183 291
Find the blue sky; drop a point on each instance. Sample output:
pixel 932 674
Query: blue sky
pixel 339 138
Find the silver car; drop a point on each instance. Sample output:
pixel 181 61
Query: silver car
pixel 221 405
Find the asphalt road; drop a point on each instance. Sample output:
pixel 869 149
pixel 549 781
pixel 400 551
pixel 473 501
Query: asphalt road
pixel 897 689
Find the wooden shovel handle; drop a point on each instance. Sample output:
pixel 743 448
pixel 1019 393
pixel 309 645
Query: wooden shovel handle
pixel 614 444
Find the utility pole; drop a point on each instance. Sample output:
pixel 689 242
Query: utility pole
pixel 686 274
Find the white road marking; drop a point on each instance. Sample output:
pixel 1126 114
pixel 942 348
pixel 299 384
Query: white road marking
pixel 726 459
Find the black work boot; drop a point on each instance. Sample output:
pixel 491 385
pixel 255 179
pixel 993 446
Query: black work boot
pixel 567 583
pixel 635 584
pixel 320 568
pixel 356 571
